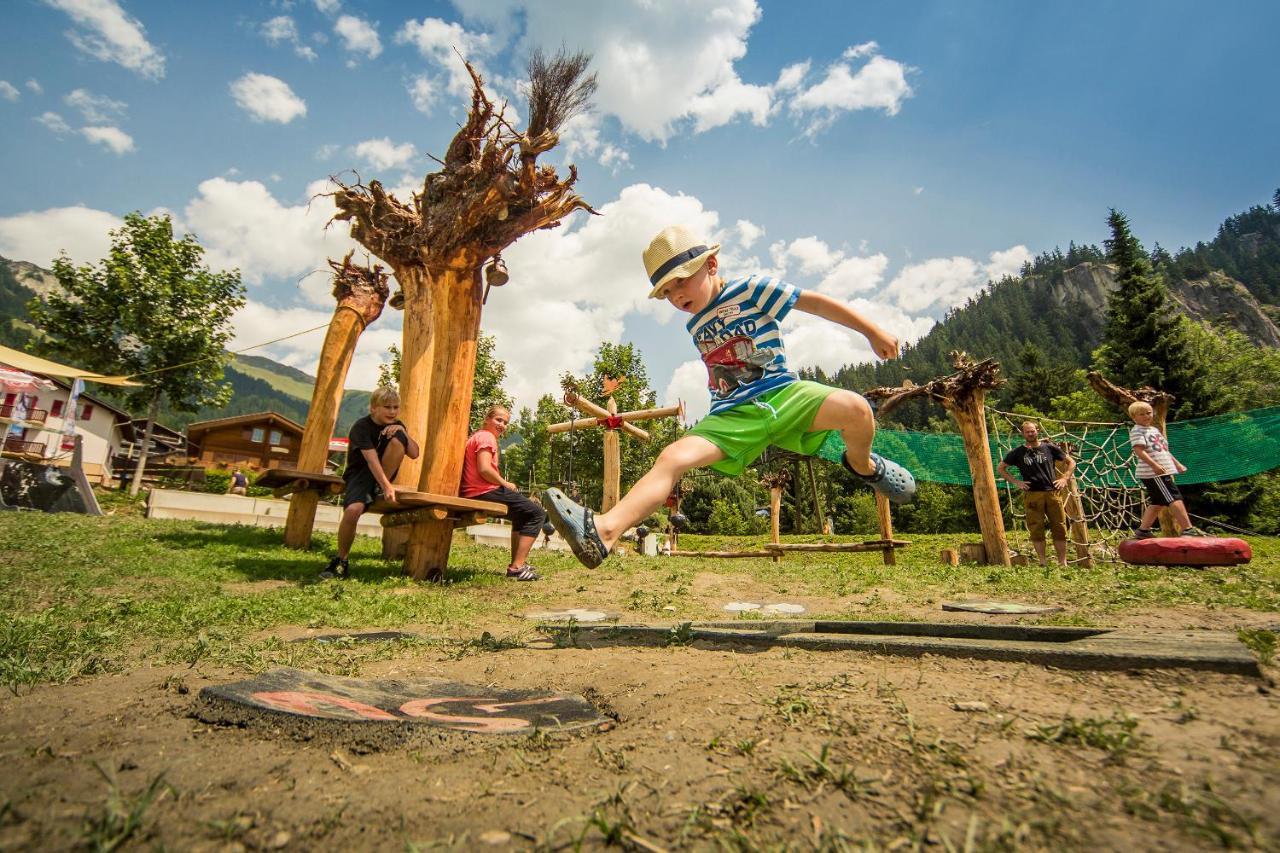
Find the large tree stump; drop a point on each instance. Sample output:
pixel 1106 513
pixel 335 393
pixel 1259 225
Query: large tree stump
pixel 489 192
pixel 361 292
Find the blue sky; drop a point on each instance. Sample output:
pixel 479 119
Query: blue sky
pixel 894 155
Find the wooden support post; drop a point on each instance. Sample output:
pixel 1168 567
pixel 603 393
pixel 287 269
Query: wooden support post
pixel 612 464
pixel 445 326
pixel 817 499
pixel 886 527
pixel 361 293
pixel 775 521
pixel 972 421
pixel 1078 528
pixel 949 557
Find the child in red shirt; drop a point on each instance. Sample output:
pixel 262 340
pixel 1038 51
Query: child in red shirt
pixel 481 480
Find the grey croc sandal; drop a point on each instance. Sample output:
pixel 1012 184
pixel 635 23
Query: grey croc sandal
pixel 575 525
pixel 889 479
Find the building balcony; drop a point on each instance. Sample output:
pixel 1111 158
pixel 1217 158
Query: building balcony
pixel 24 448
pixel 33 416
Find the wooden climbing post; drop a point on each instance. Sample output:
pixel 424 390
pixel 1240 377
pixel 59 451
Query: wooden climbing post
pixel 609 418
pixel 775 520
pixel 886 528
pixel 361 292
pixel 963 394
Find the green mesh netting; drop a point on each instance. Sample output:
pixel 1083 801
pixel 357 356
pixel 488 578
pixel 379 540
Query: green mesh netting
pixel 1214 449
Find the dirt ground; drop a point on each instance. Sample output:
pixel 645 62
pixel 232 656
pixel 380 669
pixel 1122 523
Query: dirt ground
pixel 713 748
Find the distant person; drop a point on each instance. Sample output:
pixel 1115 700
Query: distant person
pixel 1041 486
pixel 239 483
pixel 376 445
pixel 482 481
pixel 1155 469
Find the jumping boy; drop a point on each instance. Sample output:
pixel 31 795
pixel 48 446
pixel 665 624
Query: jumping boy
pixel 755 400
pixel 1156 466
pixel 376 445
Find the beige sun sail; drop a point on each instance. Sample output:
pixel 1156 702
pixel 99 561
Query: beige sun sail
pixel 44 367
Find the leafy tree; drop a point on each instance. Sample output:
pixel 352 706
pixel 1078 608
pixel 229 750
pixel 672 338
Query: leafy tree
pixel 1146 342
pixel 1036 382
pixel 150 309
pixel 487 382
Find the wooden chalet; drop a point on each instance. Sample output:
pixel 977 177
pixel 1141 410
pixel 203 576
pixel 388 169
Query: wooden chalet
pixel 258 441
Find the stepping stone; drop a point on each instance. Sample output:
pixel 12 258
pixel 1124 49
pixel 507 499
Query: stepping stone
pixel 360 637
pixel 578 614
pixel 295 696
pixel 771 609
pixel 999 607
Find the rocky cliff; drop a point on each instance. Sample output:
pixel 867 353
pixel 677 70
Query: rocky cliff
pixel 1213 299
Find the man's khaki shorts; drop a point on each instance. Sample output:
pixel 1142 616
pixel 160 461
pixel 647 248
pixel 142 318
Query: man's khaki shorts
pixel 1041 505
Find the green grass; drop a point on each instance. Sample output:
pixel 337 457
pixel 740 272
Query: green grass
pixel 81 596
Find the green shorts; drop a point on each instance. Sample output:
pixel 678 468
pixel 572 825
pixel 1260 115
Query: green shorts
pixel 780 418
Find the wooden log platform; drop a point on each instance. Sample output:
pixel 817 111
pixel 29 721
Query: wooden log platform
pixel 1066 647
pixel 286 481
pixel 722 555
pixel 415 507
pixel 837 547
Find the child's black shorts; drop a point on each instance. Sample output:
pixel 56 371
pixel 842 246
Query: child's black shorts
pixel 1161 491
pixel 522 511
pixel 361 488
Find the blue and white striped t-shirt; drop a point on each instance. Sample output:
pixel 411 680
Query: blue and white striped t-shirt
pixel 738 339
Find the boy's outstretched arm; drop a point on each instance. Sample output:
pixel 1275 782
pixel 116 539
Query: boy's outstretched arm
pixel 882 343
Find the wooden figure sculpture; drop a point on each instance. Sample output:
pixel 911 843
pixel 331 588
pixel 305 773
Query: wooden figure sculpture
pixel 612 421
pixel 962 394
pixel 489 192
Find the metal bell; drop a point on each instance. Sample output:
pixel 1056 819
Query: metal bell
pixel 495 272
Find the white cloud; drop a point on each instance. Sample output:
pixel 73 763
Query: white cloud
pixel 40 236
pixel 582 135
pixel 328 7
pixel 244 226
pixel 358 36
pixel 96 109
pixel 748 233
pixel 581 281
pixel 423 93
pixel 283 29
pixel 326 151
pixel 813 342
pixel 670 66
pixel 814 255
pixel 917 190
pixel 267 98
pixel 106 33
pixel 34 85
pixel 867 48
pixel 879 84
pixel 942 283
pixel 437 41
pixel 383 154
pixel 8 91
pixel 852 276
pixel 689 383
pixel 110 137
pixel 54 122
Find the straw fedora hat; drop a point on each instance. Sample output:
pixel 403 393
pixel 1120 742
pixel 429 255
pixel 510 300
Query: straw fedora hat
pixel 676 252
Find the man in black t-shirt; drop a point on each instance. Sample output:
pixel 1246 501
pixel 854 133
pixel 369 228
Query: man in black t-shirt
pixel 376 445
pixel 1041 486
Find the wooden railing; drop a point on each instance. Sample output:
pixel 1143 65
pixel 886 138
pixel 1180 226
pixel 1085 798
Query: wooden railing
pixel 33 416
pixel 26 448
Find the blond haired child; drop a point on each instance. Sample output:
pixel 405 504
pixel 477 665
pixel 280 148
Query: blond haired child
pixel 1156 466
pixel 376 445
pixel 756 401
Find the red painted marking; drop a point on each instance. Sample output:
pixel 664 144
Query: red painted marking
pixel 611 422
pixel 1186 551
pixel 423 709
pixel 314 704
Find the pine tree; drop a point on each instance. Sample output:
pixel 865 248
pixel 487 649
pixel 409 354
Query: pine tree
pixel 1146 342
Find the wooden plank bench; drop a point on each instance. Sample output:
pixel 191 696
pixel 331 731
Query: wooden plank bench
pixel 286 481
pixel 412 507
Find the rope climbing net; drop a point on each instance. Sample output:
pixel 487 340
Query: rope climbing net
pixel 1102 501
